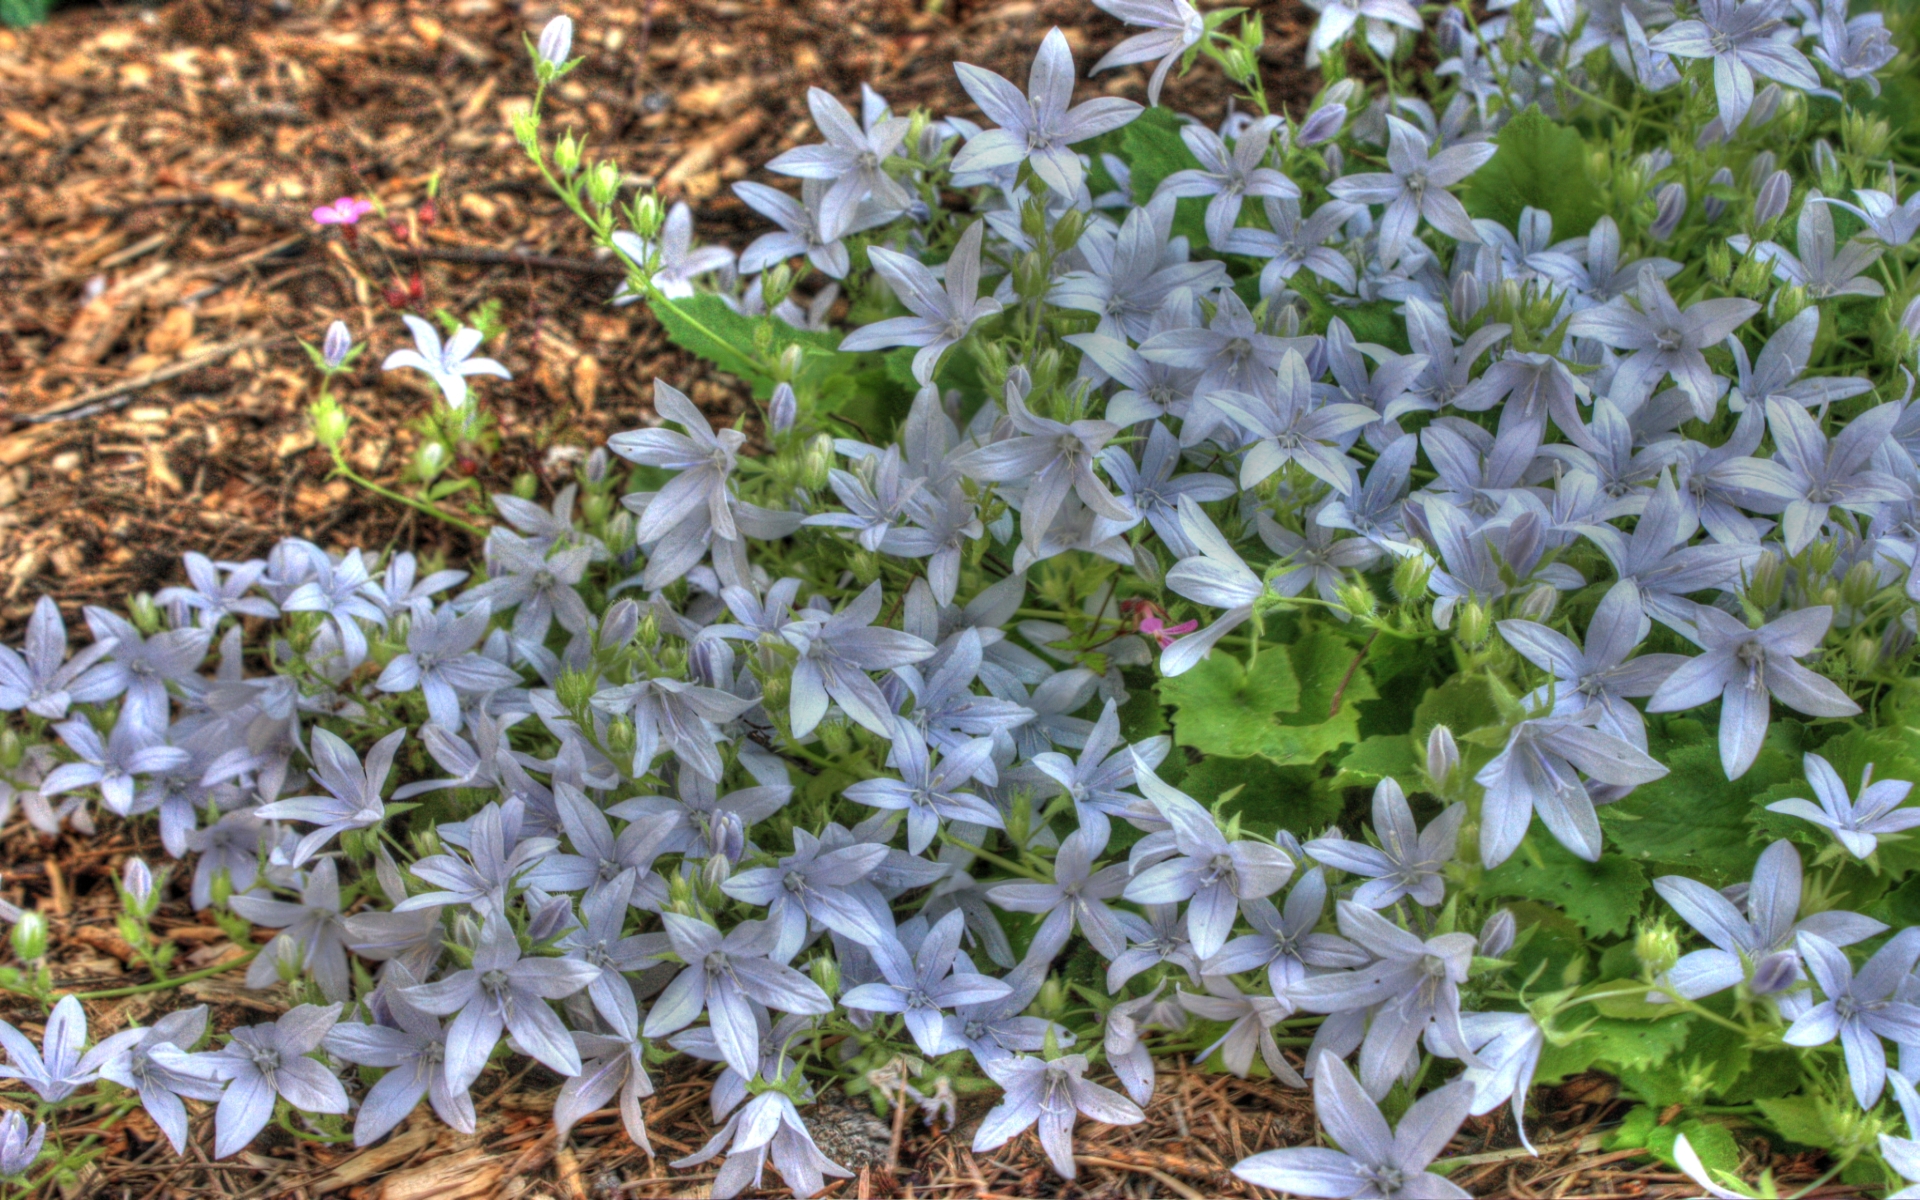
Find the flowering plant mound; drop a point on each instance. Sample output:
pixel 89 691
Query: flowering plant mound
pixel 1185 563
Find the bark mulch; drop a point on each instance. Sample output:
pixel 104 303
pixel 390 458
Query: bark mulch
pixel 159 266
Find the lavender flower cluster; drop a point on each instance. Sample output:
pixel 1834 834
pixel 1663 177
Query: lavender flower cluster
pixel 819 765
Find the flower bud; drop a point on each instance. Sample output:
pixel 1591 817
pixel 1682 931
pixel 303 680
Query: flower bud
pixel 1669 205
pixel 144 613
pixel 1539 603
pixel 1766 581
pixel 1147 565
pixel 1863 652
pixel 30 937
pixel 783 409
pixel 620 738
pixel 817 464
pixel 825 973
pixel 566 153
pixel 1719 262
pixel 1466 296
pixel 556 43
pixel 429 461
pixel 1859 584
pixel 1030 277
pixel 1765 105
pixel 729 837
pixel 1443 755
pixel 648 634
pixel 1067 230
pixel 1496 936
pixel 1323 124
pixel 1771 204
pixel 646 215
pixel 1789 302
pixel 1410 576
pixel 1752 278
pixel 330 421
pixel 1336 162
pixel 1775 973
pixel 526 129
pixel 714 874
pixel 526 485
pixel 709 662
pixel 1826 167
pixel 1357 598
pixel 550 920
pixel 834 735
pixel 1656 947
pixel 1474 627
pixel 620 624
pixel 136 887
pixel 335 346
pixel 603 183
pixel 1714 206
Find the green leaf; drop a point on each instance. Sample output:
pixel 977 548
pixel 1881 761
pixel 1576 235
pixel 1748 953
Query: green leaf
pixel 704 325
pixel 1151 146
pixel 1221 709
pixel 1539 165
pixel 1463 704
pixel 1380 757
pixel 1603 897
pixel 1615 1045
pixel 1713 1059
pixel 1270 796
pixel 1799 1119
pixel 1327 666
pixel 1694 820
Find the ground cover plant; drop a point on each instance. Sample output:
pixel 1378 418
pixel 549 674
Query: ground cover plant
pixel 1179 576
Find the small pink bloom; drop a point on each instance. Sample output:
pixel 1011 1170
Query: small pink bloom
pixel 1161 632
pixel 347 210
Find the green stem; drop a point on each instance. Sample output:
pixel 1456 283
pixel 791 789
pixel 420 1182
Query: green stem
pixel 166 984
pixel 341 468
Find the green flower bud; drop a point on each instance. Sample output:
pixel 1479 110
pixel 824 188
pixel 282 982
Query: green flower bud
pixel 1474 626
pixel 595 507
pixel 1790 303
pixel 574 689
pixel 526 485
pixel 1539 603
pixel 818 462
pixel 429 461
pixel 1410 577
pixel 1357 598
pixel 1067 230
pixel 1766 581
pixel 144 613
pixel 526 130
pixel 826 974
pixel 1052 1000
pixel 620 737
pixel 1751 277
pixel 330 421
pixel 1719 262
pixel 776 283
pixel 1821 558
pixel 835 735
pixel 787 366
pixel 1864 652
pixel 603 183
pixel 647 214
pixel 1656 946
pixel 30 937
pixel 1030 278
pixel 1858 585
pixel 566 153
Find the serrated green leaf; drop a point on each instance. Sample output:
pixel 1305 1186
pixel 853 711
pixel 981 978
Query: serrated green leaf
pixel 1270 796
pixel 1538 165
pixel 1694 820
pixel 1219 708
pixel 1380 757
pixel 705 326
pixel 1603 898
pixel 1615 1046
pixel 1714 1057
pixel 1798 1119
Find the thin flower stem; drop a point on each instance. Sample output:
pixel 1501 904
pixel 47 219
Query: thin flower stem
pixel 168 984
pixel 341 468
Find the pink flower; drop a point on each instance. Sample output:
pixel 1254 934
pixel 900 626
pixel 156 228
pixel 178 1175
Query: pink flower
pixel 347 210
pixel 1157 629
